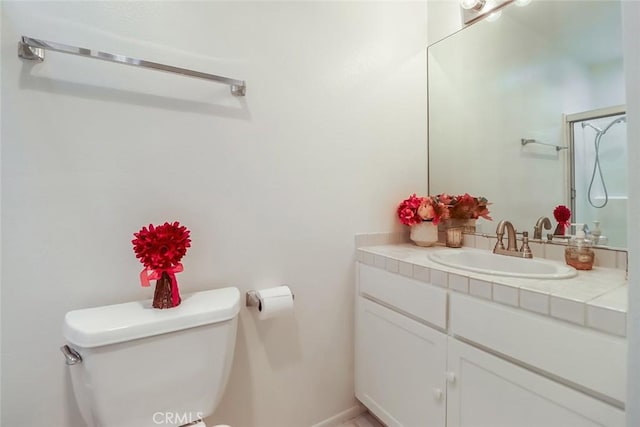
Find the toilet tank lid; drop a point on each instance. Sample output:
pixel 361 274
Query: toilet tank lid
pixel 98 326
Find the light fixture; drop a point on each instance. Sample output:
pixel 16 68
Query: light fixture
pixel 522 2
pixel 472 4
pixel 473 10
pixel 493 16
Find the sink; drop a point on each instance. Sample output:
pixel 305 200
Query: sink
pixel 502 265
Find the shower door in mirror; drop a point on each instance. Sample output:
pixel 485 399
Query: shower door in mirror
pixel 598 143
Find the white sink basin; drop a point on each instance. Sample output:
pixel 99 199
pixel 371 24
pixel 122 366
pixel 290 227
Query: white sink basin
pixel 502 265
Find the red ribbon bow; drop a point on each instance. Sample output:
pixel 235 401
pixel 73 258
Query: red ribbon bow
pixel 149 273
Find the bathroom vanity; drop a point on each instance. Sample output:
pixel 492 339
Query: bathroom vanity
pixel 438 346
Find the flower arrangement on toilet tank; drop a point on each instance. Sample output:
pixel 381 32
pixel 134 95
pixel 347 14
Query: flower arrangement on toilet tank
pixel 160 250
pixel 415 210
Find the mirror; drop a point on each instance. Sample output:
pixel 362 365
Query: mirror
pixel 535 74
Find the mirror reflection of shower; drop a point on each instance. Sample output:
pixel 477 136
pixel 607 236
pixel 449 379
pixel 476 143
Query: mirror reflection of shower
pixel 599 167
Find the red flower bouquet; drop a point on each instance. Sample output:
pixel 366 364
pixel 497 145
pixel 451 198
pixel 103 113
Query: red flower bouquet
pixel 160 250
pixel 416 209
pixel 562 214
pixel 466 206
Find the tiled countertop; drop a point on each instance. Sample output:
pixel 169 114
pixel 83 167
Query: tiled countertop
pixel 595 299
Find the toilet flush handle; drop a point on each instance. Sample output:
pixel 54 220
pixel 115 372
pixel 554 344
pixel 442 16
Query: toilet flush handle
pixel 70 355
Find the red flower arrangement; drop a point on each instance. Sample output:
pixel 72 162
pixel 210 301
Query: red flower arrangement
pixel 416 209
pixel 562 214
pixel 468 207
pixel 160 249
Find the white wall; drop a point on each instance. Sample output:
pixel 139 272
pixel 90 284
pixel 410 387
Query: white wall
pixel 631 17
pixel 444 18
pixel 330 137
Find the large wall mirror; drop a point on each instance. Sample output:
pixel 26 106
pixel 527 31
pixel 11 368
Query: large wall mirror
pixel 551 74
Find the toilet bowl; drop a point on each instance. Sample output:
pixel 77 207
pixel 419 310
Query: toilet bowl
pixel 135 366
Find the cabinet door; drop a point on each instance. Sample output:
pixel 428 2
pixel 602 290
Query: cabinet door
pixel 487 391
pixel 400 367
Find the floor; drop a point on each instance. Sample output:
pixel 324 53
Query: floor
pixel 364 420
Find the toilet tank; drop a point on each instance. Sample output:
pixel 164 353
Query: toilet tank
pixel 148 367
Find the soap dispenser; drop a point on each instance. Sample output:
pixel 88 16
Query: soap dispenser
pixel 578 253
pixel 596 232
pixel 597 236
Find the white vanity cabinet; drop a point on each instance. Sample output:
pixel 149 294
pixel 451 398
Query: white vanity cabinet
pixel 400 360
pixel 399 372
pixel 413 370
pixel 487 391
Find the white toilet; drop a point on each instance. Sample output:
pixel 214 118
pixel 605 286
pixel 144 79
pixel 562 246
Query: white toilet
pixel 135 366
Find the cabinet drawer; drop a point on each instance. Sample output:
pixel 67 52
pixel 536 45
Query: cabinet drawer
pixel 421 300
pixel 587 359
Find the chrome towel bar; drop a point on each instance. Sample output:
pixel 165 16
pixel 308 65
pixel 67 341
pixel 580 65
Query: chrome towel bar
pixel 525 141
pixel 33 49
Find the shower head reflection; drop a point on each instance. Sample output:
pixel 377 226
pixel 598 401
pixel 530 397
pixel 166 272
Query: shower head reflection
pixel 622 119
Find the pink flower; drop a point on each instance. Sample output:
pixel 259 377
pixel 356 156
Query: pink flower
pixel 426 211
pixel 408 210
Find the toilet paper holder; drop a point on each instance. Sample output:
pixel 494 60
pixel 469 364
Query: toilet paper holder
pixel 252 299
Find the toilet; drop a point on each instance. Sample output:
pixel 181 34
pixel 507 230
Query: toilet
pixel 135 366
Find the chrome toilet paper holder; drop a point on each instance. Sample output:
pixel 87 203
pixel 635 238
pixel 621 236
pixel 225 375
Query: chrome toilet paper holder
pixel 252 299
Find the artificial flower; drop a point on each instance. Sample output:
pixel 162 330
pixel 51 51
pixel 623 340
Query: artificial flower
pixel 161 247
pixel 562 214
pixel 416 209
pixel 408 210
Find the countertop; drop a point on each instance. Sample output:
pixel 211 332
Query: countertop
pixel 595 299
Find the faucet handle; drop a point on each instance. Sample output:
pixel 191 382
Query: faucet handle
pixel 499 235
pixel 499 243
pixel 525 249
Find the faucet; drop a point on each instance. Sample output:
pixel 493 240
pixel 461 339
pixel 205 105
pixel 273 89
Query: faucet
pixel 512 244
pixel 537 230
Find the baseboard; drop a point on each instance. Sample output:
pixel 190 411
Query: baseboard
pixel 342 416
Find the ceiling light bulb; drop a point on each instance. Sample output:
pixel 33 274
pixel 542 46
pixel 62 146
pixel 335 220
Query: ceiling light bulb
pixel 494 16
pixel 522 2
pixel 472 4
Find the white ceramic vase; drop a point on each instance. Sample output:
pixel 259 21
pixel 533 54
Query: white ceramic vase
pixel 424 233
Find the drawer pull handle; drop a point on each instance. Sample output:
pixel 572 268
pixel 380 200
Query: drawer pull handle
pixel 451 377
pixel 437 393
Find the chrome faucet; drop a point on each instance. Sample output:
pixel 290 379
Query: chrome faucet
pixel 537 230
pixel 512 244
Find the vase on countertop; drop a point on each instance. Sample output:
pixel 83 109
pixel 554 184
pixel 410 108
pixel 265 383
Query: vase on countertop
pixel 424 233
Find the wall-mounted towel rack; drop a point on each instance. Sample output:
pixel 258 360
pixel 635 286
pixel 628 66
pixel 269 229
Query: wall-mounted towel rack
pixel 525 141
pixel 33 49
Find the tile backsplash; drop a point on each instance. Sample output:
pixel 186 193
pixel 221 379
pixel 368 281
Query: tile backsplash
pixel 609 258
